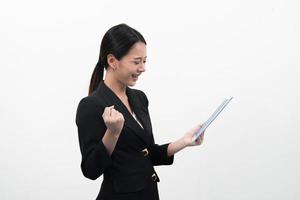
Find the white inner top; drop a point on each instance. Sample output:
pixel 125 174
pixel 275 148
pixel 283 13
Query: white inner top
pixel 134 116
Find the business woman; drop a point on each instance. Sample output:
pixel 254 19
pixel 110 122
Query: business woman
pixel 114 125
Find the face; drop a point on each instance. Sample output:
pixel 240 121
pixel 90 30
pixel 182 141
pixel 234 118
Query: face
pixel 132 65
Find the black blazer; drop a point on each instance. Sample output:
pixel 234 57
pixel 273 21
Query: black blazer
pixel 127 167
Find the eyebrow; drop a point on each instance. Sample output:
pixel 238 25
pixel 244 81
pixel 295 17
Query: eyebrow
pixel 139 58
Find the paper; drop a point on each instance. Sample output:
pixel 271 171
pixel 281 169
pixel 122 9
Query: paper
pixel 212 118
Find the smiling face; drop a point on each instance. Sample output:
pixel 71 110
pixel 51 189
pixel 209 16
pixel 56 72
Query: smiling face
pixel 130 66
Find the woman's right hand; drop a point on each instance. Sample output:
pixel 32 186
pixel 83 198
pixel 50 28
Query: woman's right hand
pixel 113 120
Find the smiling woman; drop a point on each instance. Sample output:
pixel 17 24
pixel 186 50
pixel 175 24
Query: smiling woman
pixel 122 50
pixel 133 64
pixel 114 125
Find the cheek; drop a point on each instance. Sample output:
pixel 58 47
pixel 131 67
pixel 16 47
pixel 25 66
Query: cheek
pixel 126 71
pixel 128 68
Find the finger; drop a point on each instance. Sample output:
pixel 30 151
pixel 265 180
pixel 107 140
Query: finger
pixel 116 114
pixel 199 126
pixel 107 109
pixel 120 114
pixel 202 136
pixel 121 118
pixel 193 143
pixel 198 142
pixel 201 141
pixel 113 113
pixel 111 108
pixel 105 112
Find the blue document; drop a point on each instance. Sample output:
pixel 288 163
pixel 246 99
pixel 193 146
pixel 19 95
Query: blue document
pixel 212 118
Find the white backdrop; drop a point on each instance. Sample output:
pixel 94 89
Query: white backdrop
pixel 199 52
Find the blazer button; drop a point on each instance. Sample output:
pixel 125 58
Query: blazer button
pixel 145 152
pixel 154 177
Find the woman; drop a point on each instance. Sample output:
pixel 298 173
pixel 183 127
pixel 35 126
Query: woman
pixel 114 126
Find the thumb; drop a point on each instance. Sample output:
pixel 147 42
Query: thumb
pixel 199 126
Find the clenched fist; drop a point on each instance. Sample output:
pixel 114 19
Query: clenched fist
pixel 113 120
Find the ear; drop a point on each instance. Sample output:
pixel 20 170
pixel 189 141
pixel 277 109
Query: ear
pixel 112 61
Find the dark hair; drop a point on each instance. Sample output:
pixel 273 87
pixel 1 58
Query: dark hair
pixel 117 41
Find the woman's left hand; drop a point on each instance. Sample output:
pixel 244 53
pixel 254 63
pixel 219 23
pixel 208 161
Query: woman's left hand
pixel 185 141
pixel 188 137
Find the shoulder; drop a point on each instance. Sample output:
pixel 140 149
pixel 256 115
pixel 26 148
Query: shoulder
pixel 92 101
pixel 87 102
pixel 85 105
pixel 88 108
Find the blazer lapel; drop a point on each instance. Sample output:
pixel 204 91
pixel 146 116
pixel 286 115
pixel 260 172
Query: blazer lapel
pixel 110 98
pixel 139 111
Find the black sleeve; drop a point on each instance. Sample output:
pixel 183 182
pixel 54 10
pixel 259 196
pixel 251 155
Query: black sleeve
pixel 158 153
pixel 91 129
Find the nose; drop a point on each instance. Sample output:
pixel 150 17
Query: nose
pixel 142 68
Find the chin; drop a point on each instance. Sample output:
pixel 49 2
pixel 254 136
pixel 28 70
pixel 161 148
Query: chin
pixel 132 83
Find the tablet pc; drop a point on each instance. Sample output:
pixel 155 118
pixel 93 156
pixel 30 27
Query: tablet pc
pixel 211 118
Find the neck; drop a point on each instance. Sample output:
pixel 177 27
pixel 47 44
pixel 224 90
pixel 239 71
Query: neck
pixel 116 86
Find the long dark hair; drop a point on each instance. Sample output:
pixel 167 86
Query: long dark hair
pixel 117 41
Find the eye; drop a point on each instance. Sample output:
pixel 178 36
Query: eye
pixel 138 62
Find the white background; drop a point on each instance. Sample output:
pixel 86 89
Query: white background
pixel 199 52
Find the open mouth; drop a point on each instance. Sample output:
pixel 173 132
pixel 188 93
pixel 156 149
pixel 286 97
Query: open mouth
pixel 135 76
